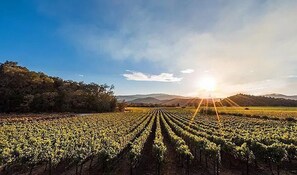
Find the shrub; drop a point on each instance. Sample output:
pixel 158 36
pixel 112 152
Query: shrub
pixel 290 119
pixel 207 111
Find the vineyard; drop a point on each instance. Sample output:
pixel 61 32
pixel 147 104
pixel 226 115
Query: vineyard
pixel 276 113
pixel 155 141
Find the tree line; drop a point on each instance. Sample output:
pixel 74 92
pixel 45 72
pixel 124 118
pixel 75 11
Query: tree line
pixel 251 100
pixel 22 90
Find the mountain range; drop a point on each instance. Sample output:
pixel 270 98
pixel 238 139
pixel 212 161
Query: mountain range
pixel 241 99
pixel 158 96
pixel 159 99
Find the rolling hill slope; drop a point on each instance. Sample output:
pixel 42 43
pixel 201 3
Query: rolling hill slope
pixel 291 97
pixel 250 100
pixel 158 96
pixel 235 100
pixel 147 100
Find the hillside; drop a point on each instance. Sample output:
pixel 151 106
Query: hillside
pixel 292 97
pixel 168 102
pixel 158 96
pixel 22 90
pixel 171 102
pixel 239 99
pixel 182 101
pixel 250 100
pixel 147 100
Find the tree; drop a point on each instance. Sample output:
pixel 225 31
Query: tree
pixel 122 105
pixel 22 90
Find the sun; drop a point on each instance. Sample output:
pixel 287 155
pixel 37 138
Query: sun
pixel 207 83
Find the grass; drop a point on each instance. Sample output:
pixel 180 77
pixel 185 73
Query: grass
pixel 260 112
pixel 137 109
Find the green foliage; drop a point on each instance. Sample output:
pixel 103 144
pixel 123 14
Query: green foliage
pixel 277 153
pixel 207 111
pixel 108 135
pixel 201 143
pixel 179 143
pixel 22 90
pixel 244 153
pixel 250 100
pixel 75 138
pixel 138 143
pixel 159 147
pixel 121 106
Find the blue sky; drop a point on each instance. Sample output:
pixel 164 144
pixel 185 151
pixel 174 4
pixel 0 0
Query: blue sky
pixel 155 46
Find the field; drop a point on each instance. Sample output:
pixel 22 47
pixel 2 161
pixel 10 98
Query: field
pixel 274 113
pixel 150 141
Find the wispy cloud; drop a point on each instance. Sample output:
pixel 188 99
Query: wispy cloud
pixel 292 76
pixel 227 38
pixel 187 71
pixel 139 76
pixel 80 75
pixel 232 42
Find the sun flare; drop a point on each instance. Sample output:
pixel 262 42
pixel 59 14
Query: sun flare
pixel 207 84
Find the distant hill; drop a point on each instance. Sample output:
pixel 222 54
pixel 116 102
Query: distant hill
pixel 150 101
pixel 239 99
pixel 250 100
pixel 147 100
pixel 158 96
pixel 181 101
pixel 292 97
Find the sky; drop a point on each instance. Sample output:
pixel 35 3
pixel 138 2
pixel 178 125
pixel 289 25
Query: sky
pixel 157 46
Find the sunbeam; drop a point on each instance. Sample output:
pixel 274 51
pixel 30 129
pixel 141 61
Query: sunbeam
pixel 218 116
pixel 196 111
pixel 234 102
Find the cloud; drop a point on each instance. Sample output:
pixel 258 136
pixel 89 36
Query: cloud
pixel 187 71
pixel 139 76
pixel 80 75
pixel 226 38
pixel 253 35
pixel 292 76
